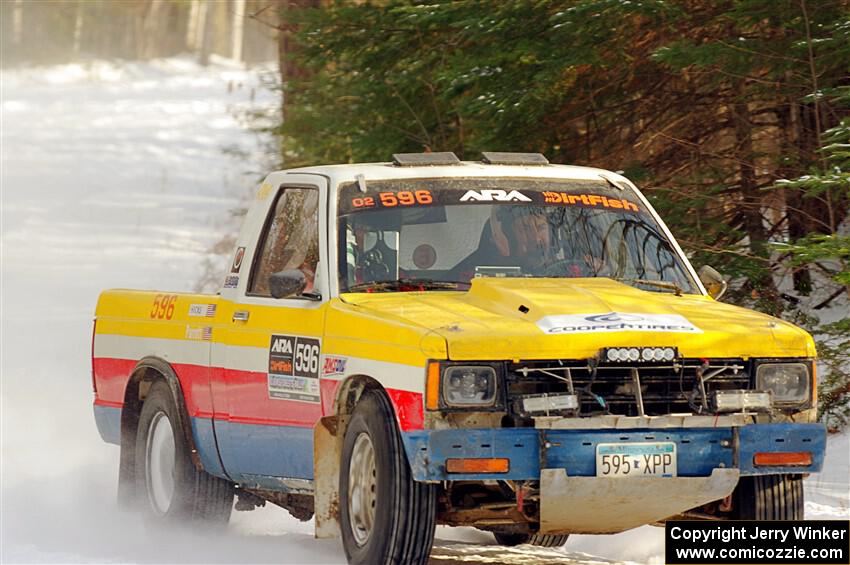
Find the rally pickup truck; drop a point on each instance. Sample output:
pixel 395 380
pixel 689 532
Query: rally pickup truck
pixel 507 344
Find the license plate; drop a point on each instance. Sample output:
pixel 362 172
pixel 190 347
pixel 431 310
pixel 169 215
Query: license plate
pixel 636 459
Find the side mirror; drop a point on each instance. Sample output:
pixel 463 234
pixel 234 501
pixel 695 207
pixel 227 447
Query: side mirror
pixel 712 281
pixel 286 283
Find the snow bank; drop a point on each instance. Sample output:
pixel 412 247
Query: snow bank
pixel 112 176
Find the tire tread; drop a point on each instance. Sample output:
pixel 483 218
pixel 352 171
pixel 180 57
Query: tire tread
pixel 412 518
pixel 200 497
pixel 770 497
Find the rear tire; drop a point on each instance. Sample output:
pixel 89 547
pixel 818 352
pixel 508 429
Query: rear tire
pixel 169 486
pixel 540 540
pixel 769 497
pixel 386 517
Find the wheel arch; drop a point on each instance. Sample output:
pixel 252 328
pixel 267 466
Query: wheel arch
pixel 327 450
pixel 147 371
pixel 350 391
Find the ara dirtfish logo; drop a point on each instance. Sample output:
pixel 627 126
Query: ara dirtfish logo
pixel 281 344
pixel 492 195
pixel 616 322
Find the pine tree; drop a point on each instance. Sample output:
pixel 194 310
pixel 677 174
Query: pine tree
pixel 828 257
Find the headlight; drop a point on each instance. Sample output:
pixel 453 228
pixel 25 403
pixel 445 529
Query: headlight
pixel 789 382
pixel 469 386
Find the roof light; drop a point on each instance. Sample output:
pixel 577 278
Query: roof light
pixel 425 159
pixel 502 158
pixel 638 354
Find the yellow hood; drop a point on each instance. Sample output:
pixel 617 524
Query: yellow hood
pixel 514 318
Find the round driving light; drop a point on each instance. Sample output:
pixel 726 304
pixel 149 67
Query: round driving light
pixel 633 354
pixel 669 354
pixel 647 354
pixel 613 355
pixel 658 353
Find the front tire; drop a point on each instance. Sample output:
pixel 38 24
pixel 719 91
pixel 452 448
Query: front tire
pixel 769 497
pixel 168 484
pixel 385 516
pixel 540 540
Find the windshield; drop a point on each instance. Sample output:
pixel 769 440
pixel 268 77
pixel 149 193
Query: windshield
pixel 423 234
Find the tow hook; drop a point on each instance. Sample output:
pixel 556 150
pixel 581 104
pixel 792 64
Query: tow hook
pixel 520 497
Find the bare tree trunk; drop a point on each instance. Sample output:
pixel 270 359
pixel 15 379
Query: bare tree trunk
pixel 206 31
pixel 282 50
pixel 18 22
pixel 78 27
pixel 288 47
pixel 192 26
pixel 153 30
pixel 751 208
pixel 238 28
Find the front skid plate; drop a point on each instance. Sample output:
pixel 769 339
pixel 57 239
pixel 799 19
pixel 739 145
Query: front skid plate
pixel 607 505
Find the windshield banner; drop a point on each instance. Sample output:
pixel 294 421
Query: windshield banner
pixel 421 193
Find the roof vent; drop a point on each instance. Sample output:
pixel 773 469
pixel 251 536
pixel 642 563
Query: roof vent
pixel 424 159
pixel 501 158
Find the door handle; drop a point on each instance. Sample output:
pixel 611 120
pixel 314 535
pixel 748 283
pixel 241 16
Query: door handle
pixel 241 316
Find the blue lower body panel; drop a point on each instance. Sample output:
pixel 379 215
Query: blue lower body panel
pixel 205 443
pixel 251 450
pixel 108 420
pixel 698 450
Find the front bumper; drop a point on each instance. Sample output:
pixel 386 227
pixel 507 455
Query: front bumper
pixel 574 500
pixel 531 450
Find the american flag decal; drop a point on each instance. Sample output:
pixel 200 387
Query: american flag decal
pixel 202 310
pixel 207 334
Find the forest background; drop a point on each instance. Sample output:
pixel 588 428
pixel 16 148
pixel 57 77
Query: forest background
pixel 732 116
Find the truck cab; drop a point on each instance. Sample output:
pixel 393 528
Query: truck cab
pixel 507 344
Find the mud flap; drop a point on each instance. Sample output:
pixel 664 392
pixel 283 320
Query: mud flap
pixel 327 451
pixel 606 505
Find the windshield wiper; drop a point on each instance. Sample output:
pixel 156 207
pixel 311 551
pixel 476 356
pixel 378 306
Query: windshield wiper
pixel 407 285
pixel 667 285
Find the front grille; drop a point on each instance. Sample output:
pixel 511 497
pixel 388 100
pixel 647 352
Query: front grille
pixel 610 389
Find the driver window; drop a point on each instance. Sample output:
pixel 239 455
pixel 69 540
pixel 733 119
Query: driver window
pixel 290 240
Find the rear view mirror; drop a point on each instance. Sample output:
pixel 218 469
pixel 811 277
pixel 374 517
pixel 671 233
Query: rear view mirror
pixel 287 283
pixel 712 281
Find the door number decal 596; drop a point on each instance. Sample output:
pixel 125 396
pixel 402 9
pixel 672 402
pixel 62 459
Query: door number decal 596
pixel 294 368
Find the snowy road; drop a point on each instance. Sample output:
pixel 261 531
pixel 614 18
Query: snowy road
pixel 124 177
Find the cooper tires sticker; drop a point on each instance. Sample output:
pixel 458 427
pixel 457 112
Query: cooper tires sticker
pixel 616 322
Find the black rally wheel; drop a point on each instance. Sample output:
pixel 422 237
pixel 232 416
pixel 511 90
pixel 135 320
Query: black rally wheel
pixel 168 484
pixel 385 516
pixel 769 497
pixel 541 540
